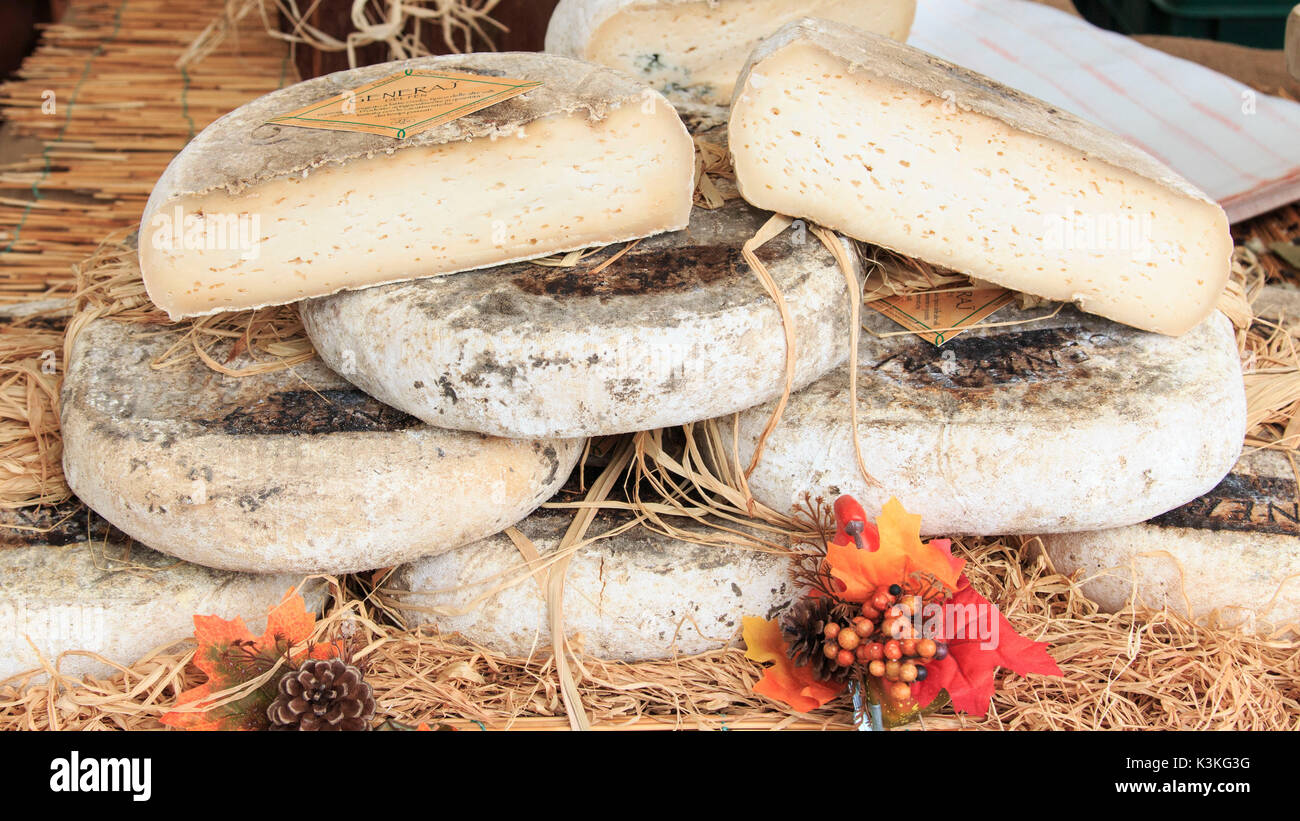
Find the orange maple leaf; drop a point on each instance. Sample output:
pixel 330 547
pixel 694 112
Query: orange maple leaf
pixel 783 681
pixel 901 554
pixel 230 655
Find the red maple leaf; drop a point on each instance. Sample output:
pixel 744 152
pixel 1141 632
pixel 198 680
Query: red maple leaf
pixel 230 655
pixel 980 639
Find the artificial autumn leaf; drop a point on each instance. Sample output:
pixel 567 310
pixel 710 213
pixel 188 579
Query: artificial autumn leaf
pixel 968 671
pixel 901 554
pixel 784 681
pixel 230 655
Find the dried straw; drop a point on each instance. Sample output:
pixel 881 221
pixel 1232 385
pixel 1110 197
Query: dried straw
pixel 108 285
pixel 399 24
pixel 1122 671
pixel 31 447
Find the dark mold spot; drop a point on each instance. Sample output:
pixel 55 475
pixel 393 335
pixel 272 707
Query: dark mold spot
pixel 1249 504
pixel 980 362
pixel 313 412
pixel 447 390
pixel 252 501
pixel 644 272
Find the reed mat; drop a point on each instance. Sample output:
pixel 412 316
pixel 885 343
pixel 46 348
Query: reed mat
pixel 104 96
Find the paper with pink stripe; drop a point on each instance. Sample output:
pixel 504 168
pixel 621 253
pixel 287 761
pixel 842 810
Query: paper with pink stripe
pixel 1237 145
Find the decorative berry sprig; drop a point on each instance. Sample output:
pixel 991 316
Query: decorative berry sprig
pixel 870 615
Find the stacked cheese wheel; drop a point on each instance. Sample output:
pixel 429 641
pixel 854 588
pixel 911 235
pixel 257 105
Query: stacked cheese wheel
pixel 460 374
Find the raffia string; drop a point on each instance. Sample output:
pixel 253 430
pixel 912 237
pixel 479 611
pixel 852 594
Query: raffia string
pixel 833 244
pixel 465 24
pixel 555 584
pixel 775 225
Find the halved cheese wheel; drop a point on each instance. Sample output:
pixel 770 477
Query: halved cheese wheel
pixel 899 148
pixel 252 214
pixel 693 50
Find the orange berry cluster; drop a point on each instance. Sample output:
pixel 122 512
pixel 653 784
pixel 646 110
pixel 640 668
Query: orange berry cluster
pixel 893 652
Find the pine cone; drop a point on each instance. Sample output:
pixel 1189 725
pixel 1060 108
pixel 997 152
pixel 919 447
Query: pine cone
pixel 802 624
pixel 322 694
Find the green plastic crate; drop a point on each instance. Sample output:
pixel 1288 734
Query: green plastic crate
pixel 1257 23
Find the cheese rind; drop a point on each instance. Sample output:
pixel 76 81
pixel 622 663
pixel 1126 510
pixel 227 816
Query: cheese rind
pixel 693 50
pixel 1064 424
pixel 899 148
pixel 635 595
pixel 291 471
pixel 1233 553
pixel 250 214
pixel 675 330
pixel 94 591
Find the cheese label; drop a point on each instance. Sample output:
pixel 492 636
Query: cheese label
pixel 407 103
pixel 938 316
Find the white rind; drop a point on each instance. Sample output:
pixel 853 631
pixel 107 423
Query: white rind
pixel 119 601
pixel 633 596
pixel 218 471
pixel 677 330
pixel 1123 426
pixel 1235 575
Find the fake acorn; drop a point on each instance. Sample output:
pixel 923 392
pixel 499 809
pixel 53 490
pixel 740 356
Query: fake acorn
pixel 322 694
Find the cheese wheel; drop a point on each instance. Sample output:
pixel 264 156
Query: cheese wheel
pixel 1069 423
pixel 899 148
pixel 675 330
pixel 1231 555
pixel 634 595
pixel 252 214
pixel 292 471
pixel 693 50
pixel 69 583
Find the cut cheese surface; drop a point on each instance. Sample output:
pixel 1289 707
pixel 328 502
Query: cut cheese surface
pixel 250 214
pixel 694 49
pixel 289 471
pixel 1067 423
pixel 899 148
pixel 674 329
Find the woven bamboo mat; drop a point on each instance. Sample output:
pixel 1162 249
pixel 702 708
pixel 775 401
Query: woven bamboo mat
pixel 122 109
